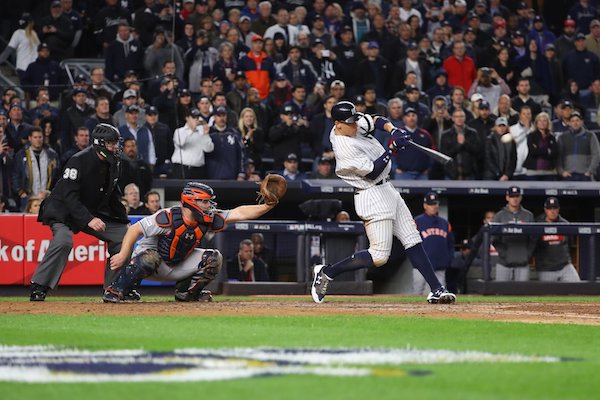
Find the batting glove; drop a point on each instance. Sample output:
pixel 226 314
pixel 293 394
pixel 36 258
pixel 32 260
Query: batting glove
pixel 400 139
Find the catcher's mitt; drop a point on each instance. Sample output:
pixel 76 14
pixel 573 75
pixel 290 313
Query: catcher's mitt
pixel 272 188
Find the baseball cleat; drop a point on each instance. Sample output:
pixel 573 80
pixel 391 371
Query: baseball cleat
pixel 134 295
pixel 320 284
pixel 111 296
pixel 38 292
pixel 203 296
pixel 441 296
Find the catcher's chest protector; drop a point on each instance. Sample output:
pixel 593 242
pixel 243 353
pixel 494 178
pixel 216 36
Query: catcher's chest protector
pixel 181 241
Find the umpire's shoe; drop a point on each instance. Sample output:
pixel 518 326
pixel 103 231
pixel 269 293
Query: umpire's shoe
pixel 320 284
pixel 441 296
pixel 38 292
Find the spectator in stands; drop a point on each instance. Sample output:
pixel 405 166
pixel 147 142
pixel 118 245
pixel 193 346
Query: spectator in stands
pixel 245 266
pixel 43 108
pixel 462 144
pixel 460 67
pixel 519 132
pixel 505 110
pixel 225 67
pixel 227 158
pixel 438 242
pixel 414 63
pixel 282 26
pixel 458 102
pixel 253 137
pixel 319 30
pixel 141 134
pixel 505 67
pixel 130 98
pixel 540 33
pixel 236 97
pixel 24 42
pixel 579 152
pixel 200 60
pixel 566 42
pixel 251 173
pixel 107 21
pixel 191 142
pixel 591 101
pixel 6 157
pixel 219 100
pixel 51 135
pixel 513 250
pixel 3 204
pixel 152 202
pixel 33 205
pixel 36 168
pixel 134 169
pixel 184 104
pixel 75 116
pixel 483 124
pixel 347 53
pixel 123 53
pixel 132 196
pixel 500 153
pixel 291 171
pixel 43 72
pixel 299 70
pixel 552 252
pixel 259 68
pixel 324 169
pixel 189 37
pixel 287 136
pixel 410 163
pixel 321 125
pixel 542 150
pixel 439 122
pixel 583 12
pixel 490 85
pixel 57 31
pixel 374 70
pixel 98 87
pixel 580 64
pixel 280 94
pixel 102 115
pixel 551 73
pixel 265 19
pixel 523 98
pixel 82 141
pixel 7 96
pixel 163 141
pixel 563 113
pixel 592 40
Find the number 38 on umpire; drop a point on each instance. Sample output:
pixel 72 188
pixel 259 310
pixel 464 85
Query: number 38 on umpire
pixel 86 199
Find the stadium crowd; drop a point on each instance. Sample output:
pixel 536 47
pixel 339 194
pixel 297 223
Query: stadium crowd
pixel 232 89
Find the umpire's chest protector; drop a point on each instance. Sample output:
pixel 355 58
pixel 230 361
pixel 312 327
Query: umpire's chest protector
pixel 183 238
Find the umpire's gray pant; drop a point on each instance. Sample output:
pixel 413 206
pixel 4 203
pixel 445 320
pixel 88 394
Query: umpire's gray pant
pixel 53 264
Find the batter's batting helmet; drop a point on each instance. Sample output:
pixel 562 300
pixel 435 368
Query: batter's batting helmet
pixel 344 111
pixel 198 191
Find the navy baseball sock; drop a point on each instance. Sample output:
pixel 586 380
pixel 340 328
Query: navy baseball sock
pixel 420 261
pixel 359 260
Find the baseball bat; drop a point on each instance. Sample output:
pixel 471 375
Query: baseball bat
pixel 436 155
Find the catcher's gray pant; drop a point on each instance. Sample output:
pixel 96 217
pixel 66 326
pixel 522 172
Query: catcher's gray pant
pixel 53 264
pixel 420 285
pixel 517 274
pixel 188 267
pixel 568 273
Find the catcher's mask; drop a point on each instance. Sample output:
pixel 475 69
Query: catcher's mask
pixel 198 191
pixel 103 134
pixel 344 111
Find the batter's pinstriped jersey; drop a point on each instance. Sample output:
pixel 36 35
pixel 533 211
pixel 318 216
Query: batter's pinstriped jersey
pixel 354 158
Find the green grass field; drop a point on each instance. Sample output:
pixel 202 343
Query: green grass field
pixel 576 378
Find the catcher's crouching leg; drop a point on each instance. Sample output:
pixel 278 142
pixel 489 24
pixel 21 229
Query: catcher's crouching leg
pixel 141 266
pixel 190 289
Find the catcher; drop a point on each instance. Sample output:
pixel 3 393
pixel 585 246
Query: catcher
pixel 167 250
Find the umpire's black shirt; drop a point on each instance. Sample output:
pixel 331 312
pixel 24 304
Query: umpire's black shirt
pixel 87 189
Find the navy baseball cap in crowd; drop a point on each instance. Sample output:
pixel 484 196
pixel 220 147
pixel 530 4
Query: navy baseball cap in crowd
pixel 501 121
pixel 412 88
pixel 580 36
pixel 551 202
pixel 80 78
pixel 483 104
pixel 538 18
pixel 324 160
pixel 3 113
pixel 359 99
pixel 473 15
pixel 280 76
pixel 79 90
pixel 245 18
pixel 184 93
pixel 576 114
pixel 221 110
pixel 514 191
pixel 42 46
pixel 129 73
pixel 358 5
pixel 249 161
pixel 240 75
pixel 566 103
pixel 409 110
pixel 373 45
pixel 55 3
pixel 412 45
pixel 291 157
pixel 345 28
pixel 152 110
pixel 132 109
pixel 289 109
pixel 431 198
pixel 15 104
pixel 195 113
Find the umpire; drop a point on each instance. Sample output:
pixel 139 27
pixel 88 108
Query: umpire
pixel 86 198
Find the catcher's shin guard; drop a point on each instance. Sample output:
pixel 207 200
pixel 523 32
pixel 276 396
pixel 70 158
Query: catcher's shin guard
pixel 141 266
pixel 190 289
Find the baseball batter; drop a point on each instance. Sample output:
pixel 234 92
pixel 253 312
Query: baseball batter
pixel 364 163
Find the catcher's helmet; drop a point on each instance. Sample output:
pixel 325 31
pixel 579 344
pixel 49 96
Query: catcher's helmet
pixel 344 111
pixel 102 134
pixel 198 191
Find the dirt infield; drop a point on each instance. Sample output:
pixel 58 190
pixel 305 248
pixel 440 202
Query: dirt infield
pixel 531 312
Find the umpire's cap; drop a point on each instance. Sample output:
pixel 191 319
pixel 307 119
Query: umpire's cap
pixel 344 111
